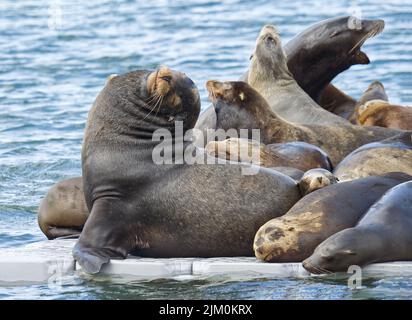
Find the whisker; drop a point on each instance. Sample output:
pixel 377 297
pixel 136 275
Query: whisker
pixel 152 98
pixel 362 40
pixel 325 270
pixel 152 108
pixel 160 104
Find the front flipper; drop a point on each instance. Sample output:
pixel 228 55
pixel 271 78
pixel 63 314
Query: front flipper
pixel 107 234
pixel 92 259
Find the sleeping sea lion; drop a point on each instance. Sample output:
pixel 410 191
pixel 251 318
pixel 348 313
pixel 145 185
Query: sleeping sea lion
pixel 389 155
pixel 293 236
pixel 383 234
pixel 299 155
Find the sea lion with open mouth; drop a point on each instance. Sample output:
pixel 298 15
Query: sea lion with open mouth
pixel 316 56
pixel 173 209
pixel 324 50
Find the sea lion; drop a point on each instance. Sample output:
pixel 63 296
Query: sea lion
pixel 383 234
pixel 383 114
pixel 320 214
pixel 63 211
pixel 270 76
pixel 317 55
pixel 315 179
pixel 393 154
pixel 299 155
pixel 239 106
pixel 140 205
pixel 374 92
pixel 322 51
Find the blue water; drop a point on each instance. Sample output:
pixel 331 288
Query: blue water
pixel 55 59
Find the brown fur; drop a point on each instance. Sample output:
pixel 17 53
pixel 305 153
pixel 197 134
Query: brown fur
pixel 386 115
pixel 239 100
pixel 375 91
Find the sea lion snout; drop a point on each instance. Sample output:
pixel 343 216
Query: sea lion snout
pixel 218 89
pixel 159 81
pixel 268 30
pixel 315 179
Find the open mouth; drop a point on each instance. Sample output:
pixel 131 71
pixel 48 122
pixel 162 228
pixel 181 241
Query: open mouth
pixel 359 56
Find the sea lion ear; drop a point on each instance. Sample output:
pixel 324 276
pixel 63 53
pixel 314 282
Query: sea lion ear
pixel 112 76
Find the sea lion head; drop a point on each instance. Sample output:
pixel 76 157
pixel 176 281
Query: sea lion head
pixel 237 105
pixel 342 39
pixel 268 60
pixel 137 103
pixel 375 86
pixel 173 93
pixel 341 250
pixel 235 149
pixel 315 179
pixel 322 51
pixel 375 93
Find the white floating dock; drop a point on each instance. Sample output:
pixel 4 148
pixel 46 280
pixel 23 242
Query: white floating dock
pixel 42 261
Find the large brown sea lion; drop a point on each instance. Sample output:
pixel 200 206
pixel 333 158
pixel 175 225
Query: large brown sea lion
pixel 294 236
pixel 138 204
pixel 383 234
pixel 239 106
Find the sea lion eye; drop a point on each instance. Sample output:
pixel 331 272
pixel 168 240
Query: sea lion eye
pixel 166 78
pixel 271 39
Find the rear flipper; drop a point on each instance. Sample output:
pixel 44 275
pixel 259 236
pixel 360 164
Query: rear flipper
pixel 106 235
pixel 62 233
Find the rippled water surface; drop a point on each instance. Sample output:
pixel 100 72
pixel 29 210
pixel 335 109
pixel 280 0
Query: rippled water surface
pixel 55 59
